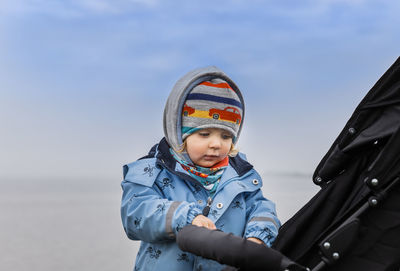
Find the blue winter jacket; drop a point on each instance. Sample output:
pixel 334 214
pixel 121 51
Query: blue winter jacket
pixel 159 198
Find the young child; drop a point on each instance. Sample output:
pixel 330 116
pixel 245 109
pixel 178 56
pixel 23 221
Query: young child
pixel 193 176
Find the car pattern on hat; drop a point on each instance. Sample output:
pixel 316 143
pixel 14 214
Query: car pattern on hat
pixel 187 110
pixel 230 114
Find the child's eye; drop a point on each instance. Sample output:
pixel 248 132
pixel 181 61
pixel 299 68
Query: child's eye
pixel 226 136
pixel 204 134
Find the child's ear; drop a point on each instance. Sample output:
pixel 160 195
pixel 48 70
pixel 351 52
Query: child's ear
pixel 233 151
pixel 182 148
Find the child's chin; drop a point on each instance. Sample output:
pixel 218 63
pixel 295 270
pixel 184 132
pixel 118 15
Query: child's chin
pixel 208 163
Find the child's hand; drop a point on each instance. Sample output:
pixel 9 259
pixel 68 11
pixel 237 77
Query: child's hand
pixel 203 221
pixel 256 240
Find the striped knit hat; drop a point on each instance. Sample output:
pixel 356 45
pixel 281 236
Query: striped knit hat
pixel 212 104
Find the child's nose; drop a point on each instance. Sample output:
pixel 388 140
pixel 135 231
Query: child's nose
pixel 215 143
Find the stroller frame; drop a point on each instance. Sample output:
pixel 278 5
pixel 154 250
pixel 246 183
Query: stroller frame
pixel 333 246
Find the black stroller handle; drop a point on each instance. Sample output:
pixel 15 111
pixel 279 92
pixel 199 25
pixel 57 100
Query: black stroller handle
pixel 232 250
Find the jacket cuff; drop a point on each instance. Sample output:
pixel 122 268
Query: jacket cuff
pixel 266 235
pixel 193 212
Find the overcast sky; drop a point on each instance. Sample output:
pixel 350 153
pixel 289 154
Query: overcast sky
pixel 83 83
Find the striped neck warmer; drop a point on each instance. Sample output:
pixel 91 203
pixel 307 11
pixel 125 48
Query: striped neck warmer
pixel 208 177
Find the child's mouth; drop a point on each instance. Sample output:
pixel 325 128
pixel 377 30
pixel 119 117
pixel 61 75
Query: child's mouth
pixel 210 157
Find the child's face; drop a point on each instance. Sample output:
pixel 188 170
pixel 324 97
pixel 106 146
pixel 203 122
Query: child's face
pixel 207 147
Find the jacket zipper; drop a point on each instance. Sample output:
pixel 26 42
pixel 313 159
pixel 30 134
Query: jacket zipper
pixel 206 209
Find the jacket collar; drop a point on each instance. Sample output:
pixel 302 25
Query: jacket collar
pixel 165 159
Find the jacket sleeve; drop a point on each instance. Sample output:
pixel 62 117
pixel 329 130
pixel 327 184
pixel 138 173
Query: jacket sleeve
pixel 148 216
pixel 262 221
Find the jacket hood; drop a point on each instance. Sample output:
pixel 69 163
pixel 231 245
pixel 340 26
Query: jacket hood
pixel 172 121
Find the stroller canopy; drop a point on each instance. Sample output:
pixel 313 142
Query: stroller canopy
pixel 353 223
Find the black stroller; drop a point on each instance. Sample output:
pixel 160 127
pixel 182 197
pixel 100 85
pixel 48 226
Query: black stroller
pixel 353 222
